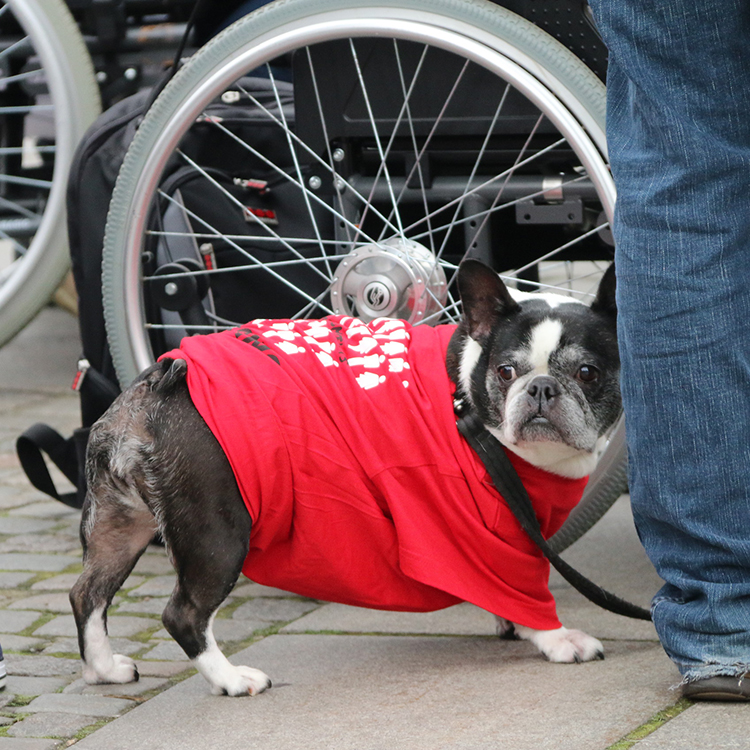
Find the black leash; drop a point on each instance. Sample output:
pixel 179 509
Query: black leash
pixel 508 484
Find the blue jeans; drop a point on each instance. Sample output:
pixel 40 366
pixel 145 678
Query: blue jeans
pixel 679 138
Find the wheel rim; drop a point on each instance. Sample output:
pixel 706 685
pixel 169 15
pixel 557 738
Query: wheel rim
pixel 32 230
pixel 588 149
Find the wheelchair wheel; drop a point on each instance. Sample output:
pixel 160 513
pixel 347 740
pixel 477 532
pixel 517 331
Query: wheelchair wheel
pixel 48 97
pixel 387 141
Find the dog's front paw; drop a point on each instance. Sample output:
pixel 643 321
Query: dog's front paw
pixel 118 670
pixel 243 681
pixel 562 645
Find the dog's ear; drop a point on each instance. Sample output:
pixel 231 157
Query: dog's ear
pixel 605 296
pixel 484 296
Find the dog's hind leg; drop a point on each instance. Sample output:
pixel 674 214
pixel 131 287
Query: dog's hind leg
pixel 206 527
pixel 116 527
pixel 114 533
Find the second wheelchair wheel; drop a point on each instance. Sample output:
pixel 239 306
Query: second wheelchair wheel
pixel 343 156
pixel 48 97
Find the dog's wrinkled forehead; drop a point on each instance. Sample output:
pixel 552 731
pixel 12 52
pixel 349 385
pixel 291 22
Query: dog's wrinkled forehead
pixel 549 325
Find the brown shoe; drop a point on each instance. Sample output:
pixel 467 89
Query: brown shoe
pixel 734 688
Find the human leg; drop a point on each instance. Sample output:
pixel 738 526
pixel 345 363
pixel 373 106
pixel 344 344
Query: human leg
pixel 679 134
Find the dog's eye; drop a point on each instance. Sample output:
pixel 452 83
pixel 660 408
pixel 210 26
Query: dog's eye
pixel 506 373
pixel 588 374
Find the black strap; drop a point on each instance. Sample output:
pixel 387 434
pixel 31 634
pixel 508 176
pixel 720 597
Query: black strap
pixel 508 484
pixel 64 454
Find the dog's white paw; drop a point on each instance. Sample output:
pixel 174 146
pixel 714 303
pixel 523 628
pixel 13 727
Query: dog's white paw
pixel 562 645
pixel 242 681
pixel 117 670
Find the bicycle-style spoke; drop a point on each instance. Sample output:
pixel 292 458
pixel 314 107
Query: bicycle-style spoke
pixel 429 138
pixel 242 207
pixel 376 136
pixel 254 262
pixel 405 111
pixel 338 180
pixel 297 167
pixel 28 181
pixel 289 178
pixel 5 80
pixel 268 239
pixel 331 170
pixel 474 169
pixel 207 272
pixel 21 44
pixel 484 185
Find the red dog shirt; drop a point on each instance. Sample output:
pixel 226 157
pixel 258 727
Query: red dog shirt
pixel 343 441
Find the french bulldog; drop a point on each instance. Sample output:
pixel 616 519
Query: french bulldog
pixel 168 457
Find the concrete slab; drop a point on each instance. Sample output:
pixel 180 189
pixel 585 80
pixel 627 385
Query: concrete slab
pixel 423 693
pixel 37 563
pixel 50 725
pixel 703 726
pixel 16 621
pixel 22 743
pixel 43 356
pixel 463 619
pixel 118 627
pixel 81 705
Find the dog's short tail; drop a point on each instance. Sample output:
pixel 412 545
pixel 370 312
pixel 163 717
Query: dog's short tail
pixel 175 371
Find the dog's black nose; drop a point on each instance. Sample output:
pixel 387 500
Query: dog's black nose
pixel 543 389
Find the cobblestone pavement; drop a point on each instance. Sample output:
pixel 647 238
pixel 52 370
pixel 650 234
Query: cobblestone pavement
pixel 46 703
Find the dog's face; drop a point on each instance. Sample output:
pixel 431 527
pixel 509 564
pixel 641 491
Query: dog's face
pixel 541 370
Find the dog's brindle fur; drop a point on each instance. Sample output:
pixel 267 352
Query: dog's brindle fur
pixel 131 496
pixel 154 466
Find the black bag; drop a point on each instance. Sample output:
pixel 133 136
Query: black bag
pixel 186 195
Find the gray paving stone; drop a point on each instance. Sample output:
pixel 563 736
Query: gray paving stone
pixel 236 630
pixel 13 497
pixel 40 563
pixel 20 743
pixel 421 693
pixel 166 651
pixel 463 619
pixel 16 621
pixel 41 666
pixel 34 685
pixel 147 606
pixel 51 725
pixel 155 563
pixel 163 668
pixel 53 602
pixel 41 543
pixel 63 582
pixel 11 580
pixel 273 610
pixel 132 581
pixel 226 630
pixel 82 705
pixel 10 525
pixel 70 646
pixel 118 627
pixel 156 586
pixel 12 642
pixel 703 726
pixel 246 588
pixel 144 685
pixel 47 508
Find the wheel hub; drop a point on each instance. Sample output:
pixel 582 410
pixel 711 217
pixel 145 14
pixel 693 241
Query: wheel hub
pixel 396 278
